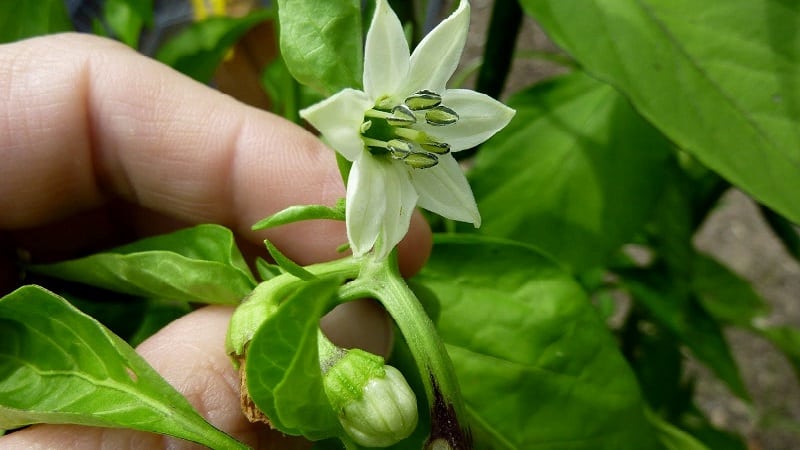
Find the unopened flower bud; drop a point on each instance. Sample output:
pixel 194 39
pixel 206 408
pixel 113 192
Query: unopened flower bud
pixel 375 404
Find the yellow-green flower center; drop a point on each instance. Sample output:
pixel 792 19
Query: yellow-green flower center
pixel 390 130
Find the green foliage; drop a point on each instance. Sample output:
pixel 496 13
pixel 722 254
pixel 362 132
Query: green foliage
pixel 581 168
pixel 719 77
pixel 321 42
pixel 126 18
pixel 58 365
pixel 199 49
pixel 283 372
pixel 24 19
pixel 199 264
pixel 669 103
pixel 538 368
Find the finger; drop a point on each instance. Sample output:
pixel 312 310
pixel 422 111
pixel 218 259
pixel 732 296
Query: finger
pixel 85 119
pixel 190 355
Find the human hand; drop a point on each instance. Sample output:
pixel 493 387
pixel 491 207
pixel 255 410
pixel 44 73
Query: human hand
pixel 100 144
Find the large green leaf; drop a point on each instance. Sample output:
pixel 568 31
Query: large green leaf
pixel 199 49
pixel 199 264
pixel 576 172
pixel 282 364
pixel 58 365
pixel 23 19
pixel 721 78
pixel 321 42
pixel 537 367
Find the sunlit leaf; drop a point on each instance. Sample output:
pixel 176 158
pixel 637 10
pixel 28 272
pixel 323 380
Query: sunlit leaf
pixel 58 365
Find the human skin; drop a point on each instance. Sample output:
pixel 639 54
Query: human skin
pixel 101 145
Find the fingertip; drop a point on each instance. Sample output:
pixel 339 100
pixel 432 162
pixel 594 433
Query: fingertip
pixel 415 248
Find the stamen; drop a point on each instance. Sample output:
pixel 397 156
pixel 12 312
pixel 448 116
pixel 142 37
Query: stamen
pixel 440 116
pixel 421 160
pixel 408 133
pixel 400 148
pixel 423 100
pixel 440 148
pixel 401 115
pixel 373 142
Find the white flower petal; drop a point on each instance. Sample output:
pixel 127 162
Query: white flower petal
pixel 443 189
pixel 436 57
pixel 386 53
pixel 338 118
pixel 380 200
pixel 401 199
pixel 364 204
pixel 480 117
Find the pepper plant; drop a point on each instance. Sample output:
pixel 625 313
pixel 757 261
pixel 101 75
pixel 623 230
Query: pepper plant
pixel 503 339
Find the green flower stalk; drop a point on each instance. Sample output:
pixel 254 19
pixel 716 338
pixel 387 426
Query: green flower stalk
pixel 375 404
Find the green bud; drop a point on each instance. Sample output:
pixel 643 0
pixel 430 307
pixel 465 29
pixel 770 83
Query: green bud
pixel 441 115
pixel 423 100
pixel 421 160
pixel 376 407
pixel 401 116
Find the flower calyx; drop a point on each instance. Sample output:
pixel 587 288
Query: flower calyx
pixel 375 404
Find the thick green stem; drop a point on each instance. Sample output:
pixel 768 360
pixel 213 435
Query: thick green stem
pixel 381 279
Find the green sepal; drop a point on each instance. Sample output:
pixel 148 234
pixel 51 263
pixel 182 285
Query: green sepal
pixel 287 264
pixel 299 213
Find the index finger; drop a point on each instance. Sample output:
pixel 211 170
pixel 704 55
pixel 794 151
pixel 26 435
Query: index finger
pixel 85 119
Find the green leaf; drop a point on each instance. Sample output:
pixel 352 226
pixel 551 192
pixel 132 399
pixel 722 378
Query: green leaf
pixel 688 321
pixel 58 365
pixel 576 172
pixel 126 18
pixel 732 300
pixel 199 264
pixel 24 19
pixel 198 50
pixel 537 366
pixel 321 42
pixel 673 438
pixel 787 339
pixel 282 364
pixel 287 264
pixel 725 294
pixel 267 270
pixel 299 213
pixel 719 77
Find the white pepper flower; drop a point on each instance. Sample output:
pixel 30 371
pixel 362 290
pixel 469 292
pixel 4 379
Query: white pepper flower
pixel 399 131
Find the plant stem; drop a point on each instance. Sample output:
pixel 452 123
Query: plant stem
pixel 381 279
pixel 499 50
